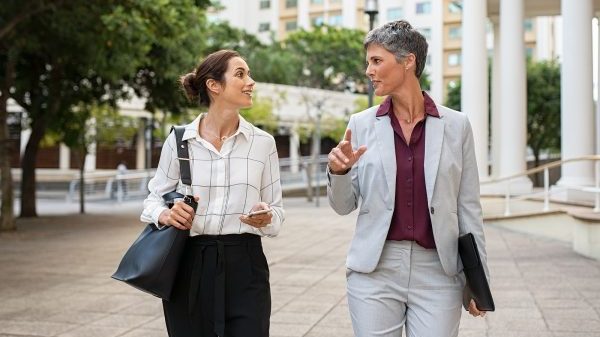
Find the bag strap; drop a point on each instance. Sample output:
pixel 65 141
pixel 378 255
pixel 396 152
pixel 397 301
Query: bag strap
pixel 183 155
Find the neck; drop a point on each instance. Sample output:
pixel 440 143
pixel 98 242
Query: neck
pixel 408 103
pixel 221 122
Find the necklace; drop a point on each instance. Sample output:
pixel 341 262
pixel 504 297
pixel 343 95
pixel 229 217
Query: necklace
pixel 217 138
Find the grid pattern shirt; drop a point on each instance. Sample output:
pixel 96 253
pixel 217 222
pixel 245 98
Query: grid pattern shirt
pixel 229 182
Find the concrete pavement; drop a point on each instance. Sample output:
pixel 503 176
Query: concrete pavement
pixel 55 279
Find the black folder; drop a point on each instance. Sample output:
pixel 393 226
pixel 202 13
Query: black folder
pixel 473 268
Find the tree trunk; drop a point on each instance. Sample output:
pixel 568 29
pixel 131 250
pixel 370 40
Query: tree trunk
pixel 7 220
pixel 28 193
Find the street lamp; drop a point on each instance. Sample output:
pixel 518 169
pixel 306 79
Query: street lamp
pixel 317 163
pixel 372 11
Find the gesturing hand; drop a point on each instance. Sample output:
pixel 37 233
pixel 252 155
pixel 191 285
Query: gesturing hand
pixel 342 157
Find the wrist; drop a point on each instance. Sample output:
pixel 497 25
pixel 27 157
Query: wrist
pixel 338 172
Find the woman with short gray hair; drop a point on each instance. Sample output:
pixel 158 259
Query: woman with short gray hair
pixel 409 166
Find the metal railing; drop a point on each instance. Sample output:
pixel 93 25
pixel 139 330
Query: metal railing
pixel 106 185
pixel 546 192
pixel 301 174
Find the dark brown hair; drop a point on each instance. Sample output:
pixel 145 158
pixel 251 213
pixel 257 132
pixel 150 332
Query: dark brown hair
pixel 212 67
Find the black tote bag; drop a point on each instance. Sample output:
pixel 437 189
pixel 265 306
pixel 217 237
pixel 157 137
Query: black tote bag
pixel 151 263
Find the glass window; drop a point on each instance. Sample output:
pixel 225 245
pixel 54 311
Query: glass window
pixel 316 2
pixel 264 4
pixel 455 7
pixel 264 27
pixel 336 20
pixel 291 25
pixel 316 21
pixel 394 14
pixel 423 7
pixel 454 33
pixel 528 25
pixel 529 52
pixel 454 59
pixel 426 32
pixel 291 3
pixel 428 60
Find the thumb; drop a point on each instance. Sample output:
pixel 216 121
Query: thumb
pixel 360 151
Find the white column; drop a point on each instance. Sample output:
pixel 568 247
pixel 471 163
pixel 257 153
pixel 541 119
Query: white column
pixel 513 125
pixel 577 112
pixel 474 92
pixel 64 157
pixel 140 146
pixel 597 62
pixel 303 17
pixel 294 150
pixel 349 11
pixel 496 108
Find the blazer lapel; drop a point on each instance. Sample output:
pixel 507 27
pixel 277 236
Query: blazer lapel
pixel 387 151
pixel 434 138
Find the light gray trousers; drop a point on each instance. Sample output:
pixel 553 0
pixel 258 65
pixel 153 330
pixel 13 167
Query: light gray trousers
pixel 408 288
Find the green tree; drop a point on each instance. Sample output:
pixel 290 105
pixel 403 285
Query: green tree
pixel 543 108
pixel 330 57
pixel 96 44
pixel 453 97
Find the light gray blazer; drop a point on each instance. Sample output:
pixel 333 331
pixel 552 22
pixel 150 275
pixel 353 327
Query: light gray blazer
pixel 451 180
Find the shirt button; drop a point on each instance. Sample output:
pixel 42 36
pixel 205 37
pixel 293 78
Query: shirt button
pixel 409 158
pixel 408 204
pixel 409 227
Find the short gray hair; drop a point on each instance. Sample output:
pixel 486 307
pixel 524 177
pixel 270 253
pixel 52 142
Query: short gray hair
pixel 400 39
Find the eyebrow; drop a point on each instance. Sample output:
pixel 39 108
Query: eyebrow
pixel 241 68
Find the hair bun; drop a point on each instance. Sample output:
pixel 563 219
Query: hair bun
pixel 188 82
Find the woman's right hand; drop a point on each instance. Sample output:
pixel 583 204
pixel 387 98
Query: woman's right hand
pixel 343 157
pixel 179 216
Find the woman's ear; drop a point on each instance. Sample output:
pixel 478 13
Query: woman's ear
pixel 213 86
pixel 410 61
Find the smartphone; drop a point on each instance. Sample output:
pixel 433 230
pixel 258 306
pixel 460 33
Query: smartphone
pixel 260 211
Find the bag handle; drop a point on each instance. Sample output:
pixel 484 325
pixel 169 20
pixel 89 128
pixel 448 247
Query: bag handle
pixel 183 155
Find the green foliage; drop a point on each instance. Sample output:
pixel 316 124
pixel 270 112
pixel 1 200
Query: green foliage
pixel 362 103
pixel 261 114
pixel 543 106
pixel 453 98
pixel 329 57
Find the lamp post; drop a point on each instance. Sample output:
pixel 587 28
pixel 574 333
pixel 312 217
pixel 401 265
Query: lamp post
pixel 372 11
pixel 317 164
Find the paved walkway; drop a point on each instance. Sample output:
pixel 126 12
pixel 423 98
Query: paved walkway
pixel 54 280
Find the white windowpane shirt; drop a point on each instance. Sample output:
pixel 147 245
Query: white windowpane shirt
pixel 229 182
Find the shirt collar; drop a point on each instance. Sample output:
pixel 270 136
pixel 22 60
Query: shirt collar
pixel 430 108
pixel 191 130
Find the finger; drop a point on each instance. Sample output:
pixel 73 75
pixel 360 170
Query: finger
pixel 358 153
pixel 197 198
pixel 341 156
pixel 334 163
pixel 348 135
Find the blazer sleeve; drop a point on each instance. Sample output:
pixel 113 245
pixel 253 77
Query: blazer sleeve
pixel 343 189
pixel 470 218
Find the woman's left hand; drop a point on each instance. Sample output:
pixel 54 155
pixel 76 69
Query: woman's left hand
pixel 258 220
pixel 474 311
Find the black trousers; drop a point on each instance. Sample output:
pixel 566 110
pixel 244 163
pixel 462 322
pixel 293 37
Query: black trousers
pixel 222 289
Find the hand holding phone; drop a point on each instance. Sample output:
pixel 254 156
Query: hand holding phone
pixel 260 211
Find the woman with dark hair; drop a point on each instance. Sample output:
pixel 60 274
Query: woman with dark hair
pixel 411 164
pixel 222 286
